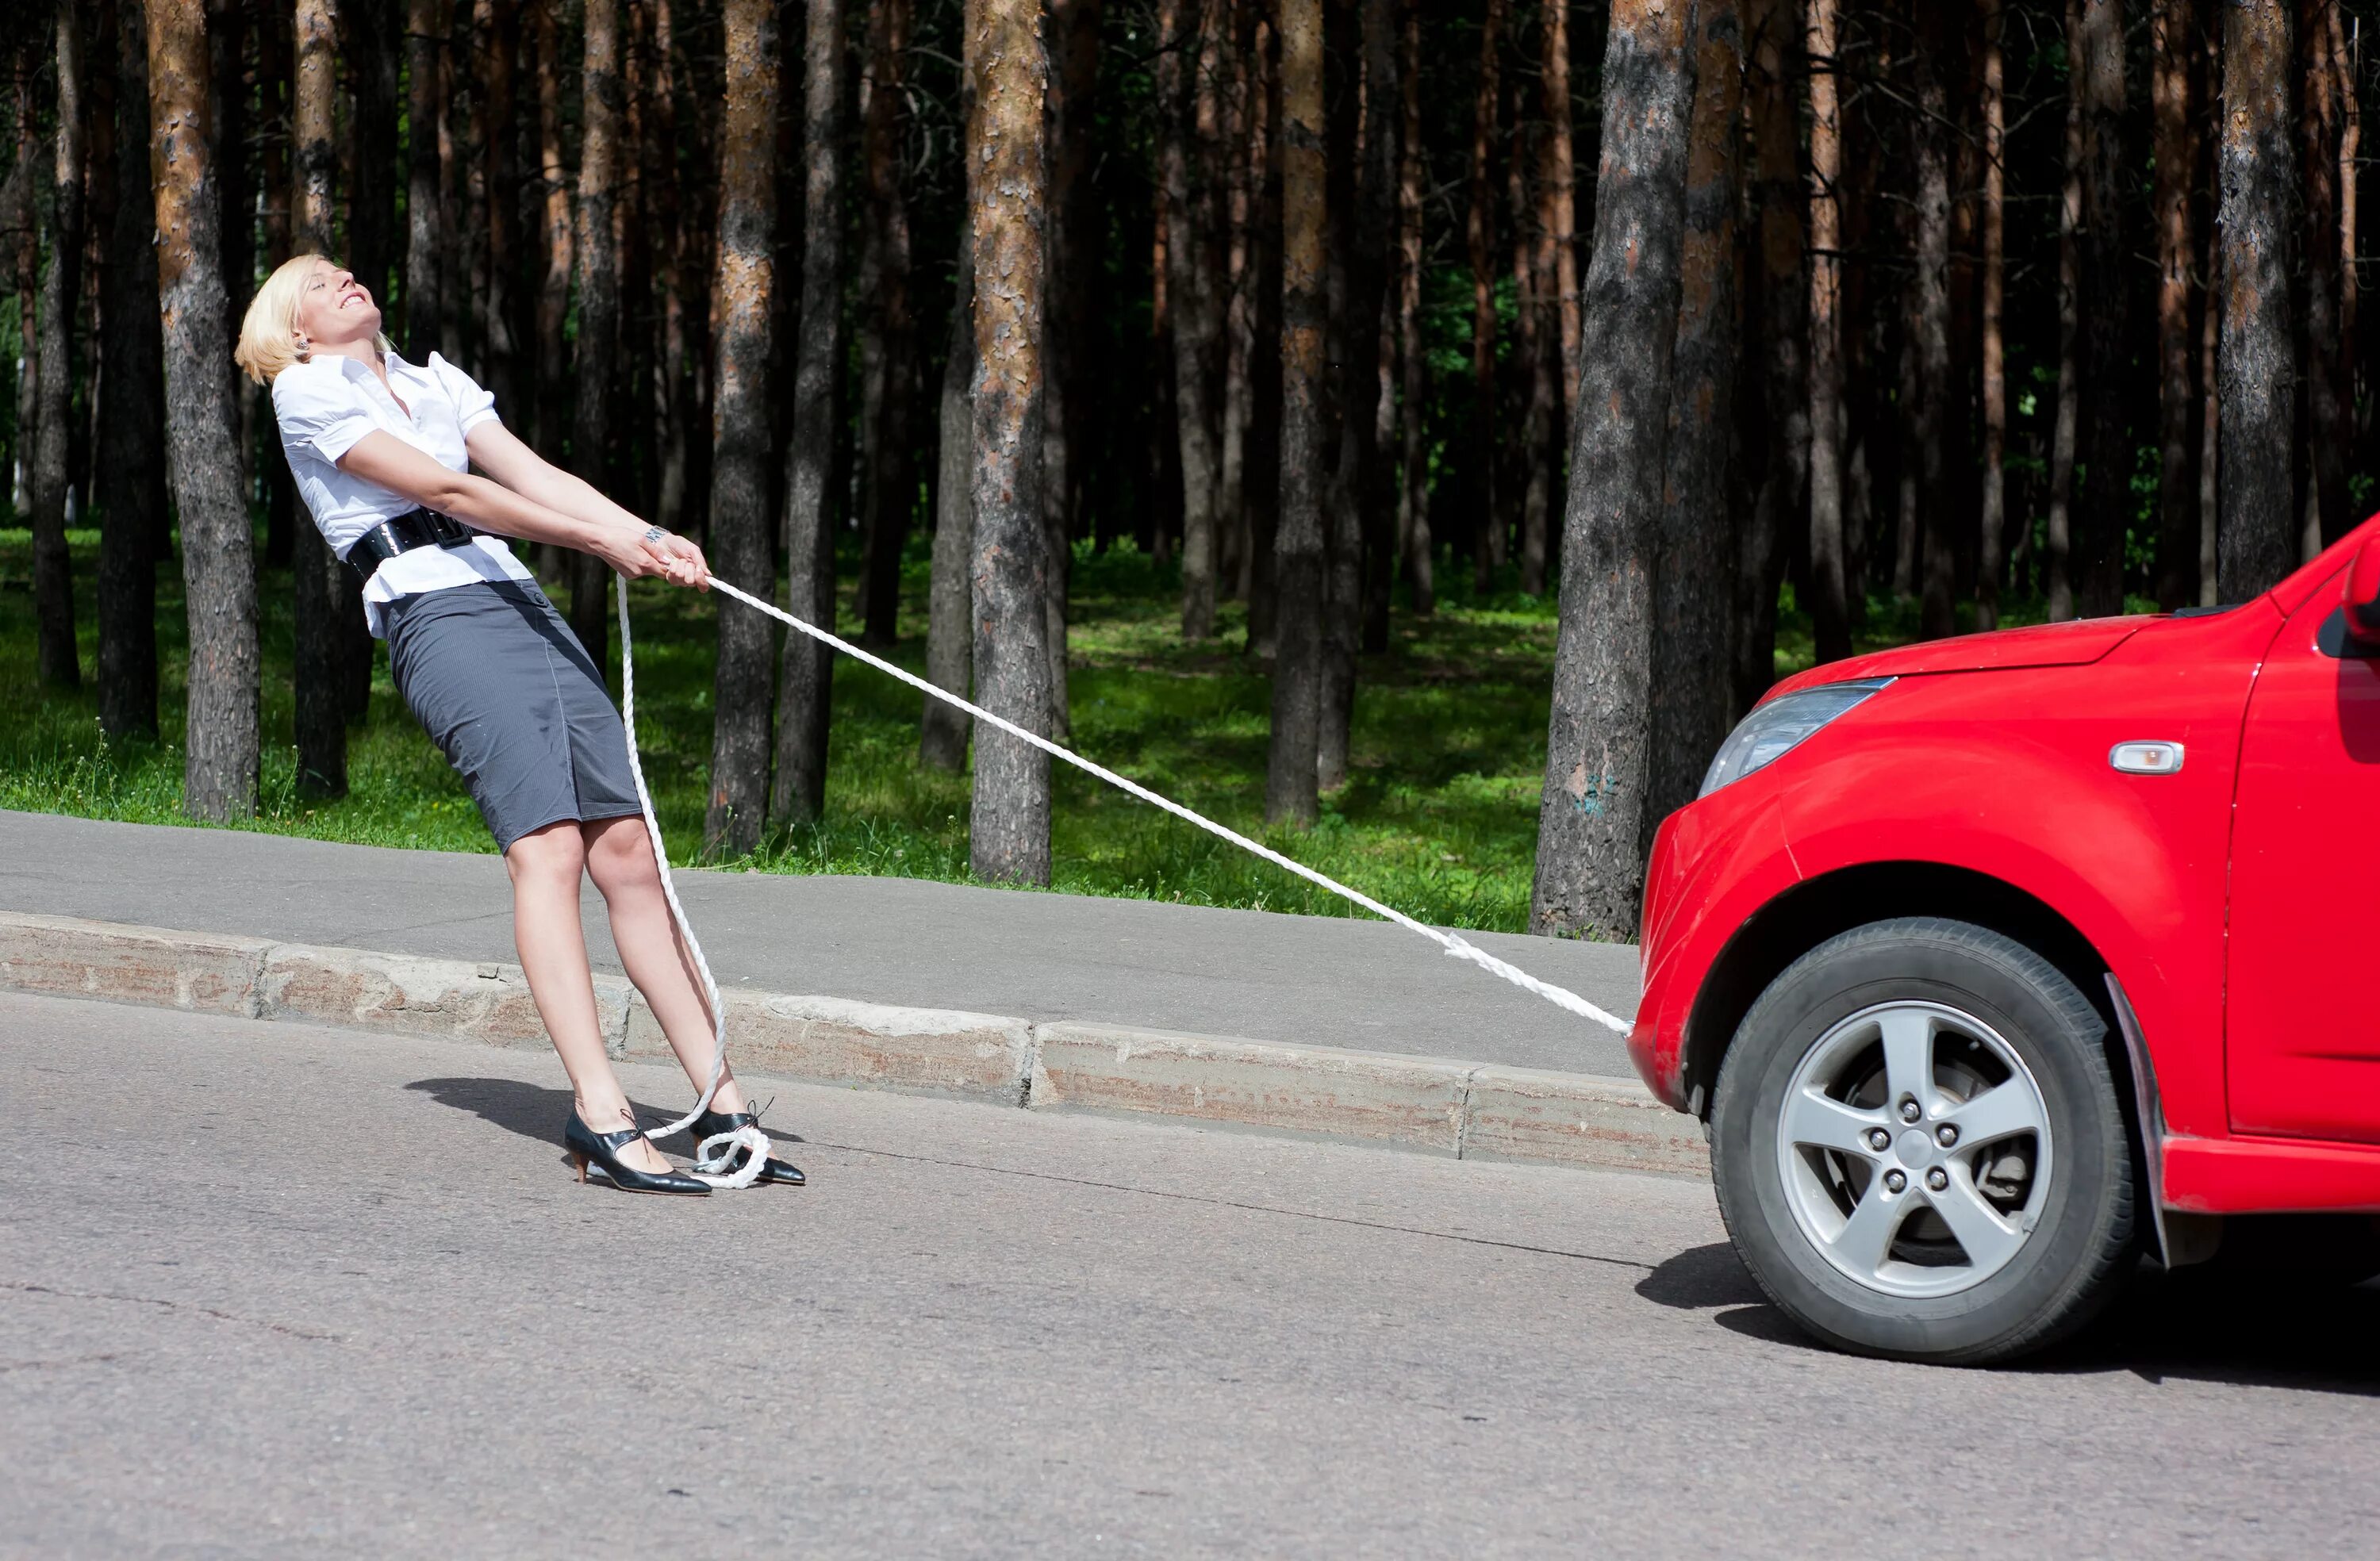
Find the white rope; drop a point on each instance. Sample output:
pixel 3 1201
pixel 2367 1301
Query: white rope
pixel 1455 946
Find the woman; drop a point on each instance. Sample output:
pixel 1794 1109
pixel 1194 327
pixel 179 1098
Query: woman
pixel 380 450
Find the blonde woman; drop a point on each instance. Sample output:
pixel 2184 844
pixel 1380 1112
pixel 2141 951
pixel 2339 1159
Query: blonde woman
pixel 381 449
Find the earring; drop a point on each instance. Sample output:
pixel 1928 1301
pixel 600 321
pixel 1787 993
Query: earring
pixel 304 351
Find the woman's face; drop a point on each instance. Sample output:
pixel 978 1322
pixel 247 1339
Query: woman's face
pixel 334 309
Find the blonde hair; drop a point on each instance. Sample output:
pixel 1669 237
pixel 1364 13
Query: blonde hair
pixel 267 332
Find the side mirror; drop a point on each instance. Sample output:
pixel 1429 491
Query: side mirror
pixel 2363 596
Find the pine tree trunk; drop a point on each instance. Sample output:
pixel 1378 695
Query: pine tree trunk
pixel 2059 567
pixel 1593 823
pixel 1187 157
pixel 498 24
pixel 1072 256
pixel 1774 39
pixel 2107 450
pixel 1933 57
pixel 454 270
pixel 2170 25
pixel 1561 199
pixel 1415 544
pixel 54 602
pixel 2257 181
pixel 220 742
pixel 2329 380
pixel 950 635
pixel 425 243
pixel 1009 824
pixel 1290 783
pixel 599 305
pixel 1994 224
pixel 320 644
pixel 1696 545
pixel 372 253
pixel 1479 235
pixel 131 482
pixel 553 296
pixel 24 221
pixel 1239 177
pixel 1261 490
pixel 1535 347
pixel 806 687
pixel 887 345
pixel 741 548
pixel 1829 599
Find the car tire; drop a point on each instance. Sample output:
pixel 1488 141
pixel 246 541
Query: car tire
pixel 1807 1187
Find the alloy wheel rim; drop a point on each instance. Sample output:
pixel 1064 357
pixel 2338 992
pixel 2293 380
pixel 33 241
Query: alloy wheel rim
pixel 1914 1146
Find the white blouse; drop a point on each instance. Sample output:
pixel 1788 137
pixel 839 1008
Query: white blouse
pixel 324 406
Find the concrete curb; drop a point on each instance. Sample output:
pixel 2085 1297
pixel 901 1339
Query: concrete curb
pixel 1432 1105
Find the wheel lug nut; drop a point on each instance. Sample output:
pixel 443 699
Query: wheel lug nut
pixel 1879 1140
pixel 1937 1179
pixel 1909 1109
pixel 1894 1182
pixel 1945 1135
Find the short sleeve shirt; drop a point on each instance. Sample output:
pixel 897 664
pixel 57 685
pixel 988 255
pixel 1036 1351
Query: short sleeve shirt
pixel 324 406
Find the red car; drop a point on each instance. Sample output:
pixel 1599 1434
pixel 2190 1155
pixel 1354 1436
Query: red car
pixel 1993 963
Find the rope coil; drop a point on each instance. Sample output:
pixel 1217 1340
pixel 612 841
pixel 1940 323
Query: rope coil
pixel 706 1165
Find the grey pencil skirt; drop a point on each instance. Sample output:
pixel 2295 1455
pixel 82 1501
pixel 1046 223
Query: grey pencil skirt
pixel 508 693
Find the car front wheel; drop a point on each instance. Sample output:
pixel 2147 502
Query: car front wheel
pixel 1918 1146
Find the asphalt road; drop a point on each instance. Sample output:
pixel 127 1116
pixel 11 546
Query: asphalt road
pixel 1301 980
pixel 274 1290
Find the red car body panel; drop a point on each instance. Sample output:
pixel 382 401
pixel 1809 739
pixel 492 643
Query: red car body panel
pixel 1992 755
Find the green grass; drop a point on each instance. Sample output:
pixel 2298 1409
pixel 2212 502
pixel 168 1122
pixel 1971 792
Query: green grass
pixel 1438 817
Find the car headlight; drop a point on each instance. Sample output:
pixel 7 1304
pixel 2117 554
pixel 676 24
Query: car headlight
pixel 1774 729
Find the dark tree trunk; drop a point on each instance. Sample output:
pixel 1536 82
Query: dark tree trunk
pixel 741 548
pixel 599 305
pixel 1194 299
pixel 2257 363
pixel 2058 571
pixel 950 636
pixel 1929 353
pixel 2099 563
pixel 1009 824
pixel 131 482
pixel 1697 542
pixel 1479 235
pixel 1993 220
pixel 1592 824
pixel 499 30
pixel 1073 257
pixel 24 223
pixel 53 603
pixel 1261 491
pixel 425 240
pixel 454 266
pixel 887 341
pixel 1414 546
pixel 321 648
pixel 1780 193
pixel 1243 109
pixel 1289 787
pixel 797 792
pixel 373 253
pixel 2329 380
pixel 1830 595
pixel 554 296
pixel 2171 24
pixel 1561 199
pixel 220 742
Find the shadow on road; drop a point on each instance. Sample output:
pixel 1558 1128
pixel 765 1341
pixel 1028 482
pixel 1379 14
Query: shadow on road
pixel 2196 1325
pixel 537 1113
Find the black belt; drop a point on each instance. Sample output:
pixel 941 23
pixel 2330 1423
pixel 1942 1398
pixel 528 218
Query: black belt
pixel 415 528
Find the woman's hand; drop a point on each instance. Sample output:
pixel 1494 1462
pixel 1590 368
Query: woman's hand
pixel 640 551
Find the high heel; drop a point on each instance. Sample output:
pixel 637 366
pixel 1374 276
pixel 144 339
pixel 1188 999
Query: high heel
pixel 711 1124
pixel 602 1151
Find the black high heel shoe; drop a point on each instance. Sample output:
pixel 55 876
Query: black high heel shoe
pixel 602 1150
pixel 711 1124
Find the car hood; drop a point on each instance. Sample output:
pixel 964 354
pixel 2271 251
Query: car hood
pixel 2073 644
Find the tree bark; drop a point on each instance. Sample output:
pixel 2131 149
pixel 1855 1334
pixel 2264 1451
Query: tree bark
pixel 1993 222
pixel 1187 157
pixel 1260 493
pixel 553 296
pixel 131 481
pixel 2060 564
pixel 1479 235
pixel 599 305
pixel 742 550
pixel 425 242
pixel 53 603
pixel 1289 779
pixel 2257 365
pixel 1561 199
pixel 320 644
pixel 1829 599
pixel 1009 823
pixel 499 30
pixel 220 741
pixel 806 687
pixel 2329 376
pixel 1780 194
pixel 1934 58
pixel 2176 154
pixel 2098 563
pixel 1696 546
pixel 887 343
pixel 25 225
pixel 1536 346
pixel 950 649
pixel 1415 544
pixel 1073 259
pixel 1597 810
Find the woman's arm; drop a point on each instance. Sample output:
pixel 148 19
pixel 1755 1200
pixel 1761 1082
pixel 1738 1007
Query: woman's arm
pixel 497 451
pixel 617 537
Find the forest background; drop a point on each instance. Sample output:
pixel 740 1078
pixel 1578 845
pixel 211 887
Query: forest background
pixel 1348 415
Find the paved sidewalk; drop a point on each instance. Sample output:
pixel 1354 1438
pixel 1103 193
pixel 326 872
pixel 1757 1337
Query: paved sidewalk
pixel 1298 980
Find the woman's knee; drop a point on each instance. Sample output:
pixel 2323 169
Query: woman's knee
pixel 620 856
pixel 549 856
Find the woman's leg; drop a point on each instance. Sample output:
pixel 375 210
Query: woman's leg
pixel 546 866
pixel 620 860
